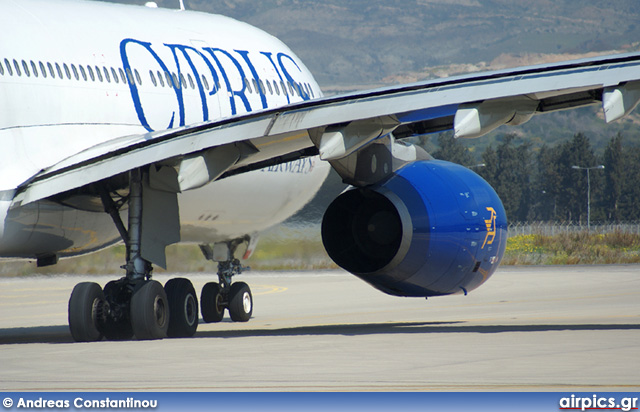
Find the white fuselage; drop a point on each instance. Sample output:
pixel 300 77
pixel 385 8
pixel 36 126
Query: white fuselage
pixel 76 74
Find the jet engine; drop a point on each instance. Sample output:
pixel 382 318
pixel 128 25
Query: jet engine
pixel 431 228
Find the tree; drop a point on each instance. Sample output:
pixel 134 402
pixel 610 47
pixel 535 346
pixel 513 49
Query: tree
pixel 452 150
pixel 614 162
pixel 508 169
pixel 490 169
pixel 572 202
pixel 548 185
pixel 630 192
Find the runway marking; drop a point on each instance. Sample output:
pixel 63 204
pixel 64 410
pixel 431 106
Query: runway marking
pixel 269 289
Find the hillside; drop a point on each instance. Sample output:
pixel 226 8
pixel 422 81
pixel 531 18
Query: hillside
pixel 368 42
pixel 360 44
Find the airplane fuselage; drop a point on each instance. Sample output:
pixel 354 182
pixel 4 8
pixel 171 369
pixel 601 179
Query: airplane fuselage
pixel 114 74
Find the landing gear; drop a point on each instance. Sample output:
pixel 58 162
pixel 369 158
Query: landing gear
pixel 136 305
pixel 216 297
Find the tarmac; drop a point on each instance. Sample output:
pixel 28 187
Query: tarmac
pixel 543 328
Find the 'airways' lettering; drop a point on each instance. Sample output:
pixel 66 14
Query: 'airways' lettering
pixel 224 69
pixel 300 166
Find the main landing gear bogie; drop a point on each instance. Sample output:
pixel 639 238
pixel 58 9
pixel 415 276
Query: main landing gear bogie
pixel 118 312
pixel 138 306
pixel 148 311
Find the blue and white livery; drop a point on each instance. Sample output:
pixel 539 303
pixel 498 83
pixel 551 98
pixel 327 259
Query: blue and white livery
pixel 152 126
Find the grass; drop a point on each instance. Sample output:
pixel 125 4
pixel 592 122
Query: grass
pixel 281 248
pixel 573 249
pixel 286 248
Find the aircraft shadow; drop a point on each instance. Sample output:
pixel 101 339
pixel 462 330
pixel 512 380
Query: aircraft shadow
pixel 60 334
pixel 408 328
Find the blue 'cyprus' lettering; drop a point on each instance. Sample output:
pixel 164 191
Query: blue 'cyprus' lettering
pixel 226 69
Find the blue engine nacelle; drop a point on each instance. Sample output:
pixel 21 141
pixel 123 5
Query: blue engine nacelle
pixel 433 228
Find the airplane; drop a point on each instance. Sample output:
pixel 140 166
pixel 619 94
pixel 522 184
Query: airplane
pixel 150 126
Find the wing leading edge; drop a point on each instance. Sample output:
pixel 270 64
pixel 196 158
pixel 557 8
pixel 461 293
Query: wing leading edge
pixel 336 127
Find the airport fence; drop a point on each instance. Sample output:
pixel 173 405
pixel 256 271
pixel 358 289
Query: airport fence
pixel 555 228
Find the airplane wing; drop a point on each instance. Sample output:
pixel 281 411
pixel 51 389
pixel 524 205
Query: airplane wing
pixel 336 127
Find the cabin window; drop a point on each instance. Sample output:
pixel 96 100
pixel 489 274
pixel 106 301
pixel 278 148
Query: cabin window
pixel 269 87
pixel 26 69
pixel 176 82
pixel 51 72
pixel 99 74
pixel 17 67
pixel 1 70
pixel 247 85
pixel 92 76
pixel 106 74
pixel 83 72
pixel 43 70
pixel 169 80
pixel 160 79
pixel 8 65
pixel 114 74
pixel 59 70
pixel 153 78
pixel 205 82
pixel 275 87
pixel 255 85
pixel 34 68
pixel 129 77
pixel 138 78
pixel 283 87
pixel 66 70
pixel 75 72
pixel 191 84
pixel 183 82
pixel 291 92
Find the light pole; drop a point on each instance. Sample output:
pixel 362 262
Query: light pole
pixel 588 191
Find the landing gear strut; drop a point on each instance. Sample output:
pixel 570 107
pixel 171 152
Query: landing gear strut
pixel 216 297
pixel 135 304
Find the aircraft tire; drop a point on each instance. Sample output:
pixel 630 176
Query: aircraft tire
pixel 86 306
pixel 183 308
pixel 240 302
pixel 149 311
pixel 211 303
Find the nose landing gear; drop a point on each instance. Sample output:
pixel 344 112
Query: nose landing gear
pixel 216 297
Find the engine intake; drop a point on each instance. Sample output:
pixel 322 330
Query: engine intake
pixel 433 228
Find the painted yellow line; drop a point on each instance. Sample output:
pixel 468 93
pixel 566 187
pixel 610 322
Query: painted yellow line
pixel 269 289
